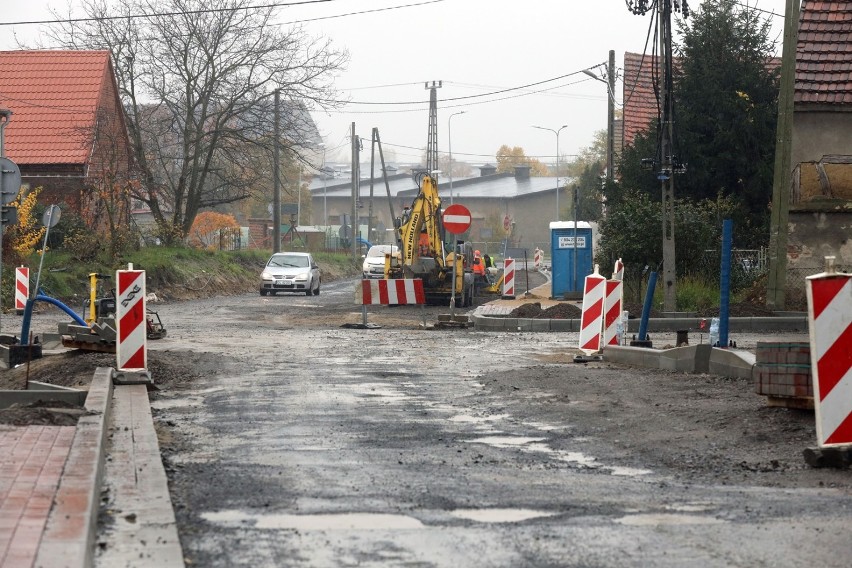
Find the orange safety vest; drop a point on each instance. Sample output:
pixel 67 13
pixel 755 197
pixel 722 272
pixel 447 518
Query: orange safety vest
pixel 478 266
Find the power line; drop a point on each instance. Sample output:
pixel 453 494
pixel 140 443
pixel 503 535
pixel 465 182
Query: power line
pixel 220 10
pixel 492 93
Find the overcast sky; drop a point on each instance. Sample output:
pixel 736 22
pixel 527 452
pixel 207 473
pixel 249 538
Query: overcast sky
pixel 474 47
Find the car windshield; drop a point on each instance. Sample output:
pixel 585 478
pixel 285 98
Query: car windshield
pixel 289 261
pixel 381 250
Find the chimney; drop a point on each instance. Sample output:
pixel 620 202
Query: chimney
pixel 487 170
pixel 522 172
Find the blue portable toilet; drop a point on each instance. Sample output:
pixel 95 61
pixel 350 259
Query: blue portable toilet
pixel 566 245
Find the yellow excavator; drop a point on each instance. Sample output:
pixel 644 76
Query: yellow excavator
pixel 420 236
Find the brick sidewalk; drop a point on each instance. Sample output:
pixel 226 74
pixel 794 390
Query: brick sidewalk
pixel 32 462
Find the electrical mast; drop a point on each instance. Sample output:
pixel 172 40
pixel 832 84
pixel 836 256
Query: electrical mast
pixel 432 143
pixel 666 162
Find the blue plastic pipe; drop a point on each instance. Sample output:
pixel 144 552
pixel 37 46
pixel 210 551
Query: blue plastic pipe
pixel 646 307
pixel 28 314
pixel 725 281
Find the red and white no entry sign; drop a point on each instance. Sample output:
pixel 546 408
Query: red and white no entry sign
pixel 456 219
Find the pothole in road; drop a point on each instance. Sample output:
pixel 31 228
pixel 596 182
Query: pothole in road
pixel 505 441
pixel 500 515
pixel 317 522
pixel 529 444
pixel 657 519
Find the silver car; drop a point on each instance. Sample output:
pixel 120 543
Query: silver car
pixel 374 261
pixel 290 272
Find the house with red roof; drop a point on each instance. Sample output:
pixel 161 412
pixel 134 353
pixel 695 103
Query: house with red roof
pixel 821 157
pixel 640 99
pixel 67 132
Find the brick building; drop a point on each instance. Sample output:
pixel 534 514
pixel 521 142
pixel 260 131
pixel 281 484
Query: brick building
pixel 67 132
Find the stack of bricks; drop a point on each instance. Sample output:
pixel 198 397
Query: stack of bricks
pixel 783 373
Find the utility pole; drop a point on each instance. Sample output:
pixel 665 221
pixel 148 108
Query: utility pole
pixel 610 117
pixel 666 174
pixel 777 278
pixel 276 178
pixel 666 159
pixel 356 178
pixel 432 143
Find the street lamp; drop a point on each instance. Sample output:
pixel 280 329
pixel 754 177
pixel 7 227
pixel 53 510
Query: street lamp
pixel 450 145
pixel 556 132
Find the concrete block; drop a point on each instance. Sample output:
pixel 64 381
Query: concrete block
pixel 731 363
pixel 564 325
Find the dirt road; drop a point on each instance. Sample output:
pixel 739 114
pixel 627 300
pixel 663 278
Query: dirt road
pixel 290 441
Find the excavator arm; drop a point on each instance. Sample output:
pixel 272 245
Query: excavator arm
pixel 424 214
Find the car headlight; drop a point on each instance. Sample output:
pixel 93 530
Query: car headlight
pixel 302 277
pixel 266 276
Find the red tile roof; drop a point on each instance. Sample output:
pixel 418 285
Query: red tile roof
pixel 54 96
pixel 824 53
pixel 640 102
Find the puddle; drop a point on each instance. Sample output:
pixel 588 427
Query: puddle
pixel 628 471
pixel 378 390
pixel 499 515
pixel 187 398
pixel 166 404
pixel 505 441
pixel 466 419
pixel 689 508
pixel 527 444
pixel 318 522
pixel 656 519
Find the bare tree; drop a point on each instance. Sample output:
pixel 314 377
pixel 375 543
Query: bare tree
pixel 196 79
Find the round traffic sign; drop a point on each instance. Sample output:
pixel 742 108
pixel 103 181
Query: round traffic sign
pixel 10 180
pixel 456 219
pixel 51 216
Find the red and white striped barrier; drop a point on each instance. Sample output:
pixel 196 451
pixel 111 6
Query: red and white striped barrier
pixel 131 322
pixel 22 288
pixel 392 292
pixel 592 316
pixel 830 325
pixel 612 312
pixel 509 278
pixel 537 258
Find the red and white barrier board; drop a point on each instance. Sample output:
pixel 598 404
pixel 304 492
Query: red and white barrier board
pixel 392 292
pixel 592 317
pixel 509 278
pixel 612 312
pixel 537 257
pixel 22 288
pixel 132 346
pixel 830 326
pixel 618 271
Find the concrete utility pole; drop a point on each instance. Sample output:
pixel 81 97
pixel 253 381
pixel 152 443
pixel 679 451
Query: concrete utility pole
pixel 777 278
pixel 356 178
pixel 666 173
pixel 666 159
pixel 276 179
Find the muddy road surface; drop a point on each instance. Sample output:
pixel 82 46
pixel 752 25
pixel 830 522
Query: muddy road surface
pixel 292 441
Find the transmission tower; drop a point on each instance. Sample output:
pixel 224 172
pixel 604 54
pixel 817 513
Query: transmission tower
pixel 666 162
pixel 432 143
